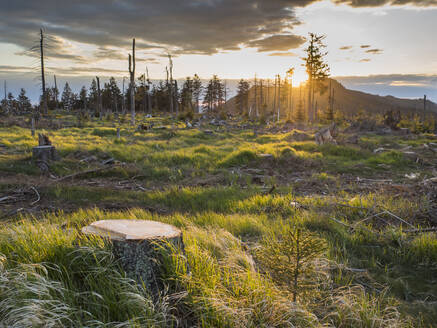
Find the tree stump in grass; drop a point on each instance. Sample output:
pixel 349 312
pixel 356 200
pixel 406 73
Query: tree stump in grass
pixel 138 246
pixel 42 155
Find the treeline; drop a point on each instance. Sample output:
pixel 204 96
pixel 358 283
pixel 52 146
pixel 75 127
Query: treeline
pixel 163 96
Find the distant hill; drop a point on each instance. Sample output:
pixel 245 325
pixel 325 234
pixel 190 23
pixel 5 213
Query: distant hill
pixel 345 100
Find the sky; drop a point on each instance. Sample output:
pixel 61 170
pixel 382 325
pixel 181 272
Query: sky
pixel 378 46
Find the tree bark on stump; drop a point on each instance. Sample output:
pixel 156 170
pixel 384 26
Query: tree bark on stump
pixel 138 245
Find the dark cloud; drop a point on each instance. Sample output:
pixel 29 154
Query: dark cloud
pixel 377 3
pixel 345 48
pixel 281 42
pixel 191 26
pixel 374 51
pixel 364 46
pixel 179 27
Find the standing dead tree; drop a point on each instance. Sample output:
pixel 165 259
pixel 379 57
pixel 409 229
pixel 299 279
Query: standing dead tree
pixel 149 90
pixel 279 97
pixel 99 95
pixel 132 82
pixel 43 80
pixel 56 93
pixel 290 73
pixel 170 91
pixel 123 100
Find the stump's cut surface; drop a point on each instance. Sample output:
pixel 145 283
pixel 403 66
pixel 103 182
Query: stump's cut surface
pixel 139 245
pixel 132 230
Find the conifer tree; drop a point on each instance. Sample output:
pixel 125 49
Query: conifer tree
pixel 24 104
pixel 67 97
pixel 242 98
pixel 317 69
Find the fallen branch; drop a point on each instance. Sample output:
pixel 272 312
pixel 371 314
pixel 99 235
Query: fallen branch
pixel 37 194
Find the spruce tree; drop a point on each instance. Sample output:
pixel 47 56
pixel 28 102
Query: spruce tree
pixel 67 97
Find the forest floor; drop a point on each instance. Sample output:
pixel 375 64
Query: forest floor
pixel 371 198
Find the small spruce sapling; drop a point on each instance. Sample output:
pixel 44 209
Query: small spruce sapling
pixel 289 256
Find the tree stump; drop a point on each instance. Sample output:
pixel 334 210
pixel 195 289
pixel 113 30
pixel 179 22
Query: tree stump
pixel 138 245
pixel 42 155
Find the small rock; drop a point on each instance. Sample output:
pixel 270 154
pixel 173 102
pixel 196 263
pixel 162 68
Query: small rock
pixel 378 150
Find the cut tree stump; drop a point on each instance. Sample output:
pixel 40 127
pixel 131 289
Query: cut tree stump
pixel 42 155
pixel 138 246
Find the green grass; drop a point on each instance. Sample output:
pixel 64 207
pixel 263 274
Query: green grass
pixel 373 274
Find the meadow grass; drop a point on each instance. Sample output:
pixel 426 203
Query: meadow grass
pixel 52 275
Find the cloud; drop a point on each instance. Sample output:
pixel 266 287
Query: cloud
pixel 365 60
pixel 364 46
pixel 78 71
pixel 283 54
pixel 182 27
pixel 18 69
pixel 374 51
pixel 345 48
pixel 281 42
pixel 388 79
pixel 378 3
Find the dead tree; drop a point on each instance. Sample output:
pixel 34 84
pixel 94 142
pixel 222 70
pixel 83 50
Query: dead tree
pixel 6 100
pixel 56 92
pixel 279 97
pixel 170 91
pixel 43 80
pixel 175 97
pixel 149 89
pixel 132 82
pixel 261 96
pixel 274 96
pixel 256 97
pixel 123 101
pixel 99 98
pixel 424 109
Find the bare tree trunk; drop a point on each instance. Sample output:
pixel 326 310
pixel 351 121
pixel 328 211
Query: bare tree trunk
pixel 268 91
pixel 132 82
pixel 144 94
pixel 43 80
pixel 261 101
pixel 424 109
pixel 6 100
pixel 175 96
pixel 33 125
pixel 274 95
pixel 56 93
pixel 256 97
pixel 149 90
pixel 123 100
pixel 170 95
pixel 279 97
pixel 309 103
pixel 291 97
pixel 99 96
